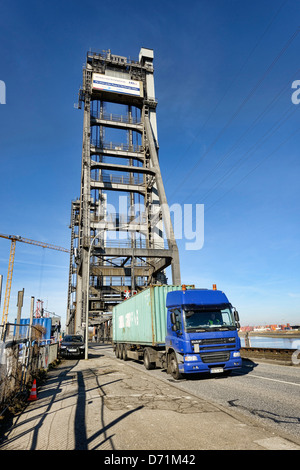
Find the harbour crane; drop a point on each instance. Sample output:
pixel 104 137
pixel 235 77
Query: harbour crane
pixel 14 239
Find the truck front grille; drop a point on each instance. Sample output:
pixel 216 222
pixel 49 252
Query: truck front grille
pixel 214 344
pixel 215 357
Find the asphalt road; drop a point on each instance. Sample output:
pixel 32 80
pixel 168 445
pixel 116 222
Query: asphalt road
pixel 265 392
pixel 110 405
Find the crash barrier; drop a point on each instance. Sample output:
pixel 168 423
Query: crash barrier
pixel 19 360
pixel 286 356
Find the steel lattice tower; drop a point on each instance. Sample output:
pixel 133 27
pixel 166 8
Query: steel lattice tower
pixel 121 232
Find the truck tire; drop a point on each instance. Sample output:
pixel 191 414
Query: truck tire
pixel 147 363
pixel 124 352
pixel 118 350
pixel 174 369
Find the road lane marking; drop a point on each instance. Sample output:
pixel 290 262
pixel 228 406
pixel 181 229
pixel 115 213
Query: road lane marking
pixel 267 378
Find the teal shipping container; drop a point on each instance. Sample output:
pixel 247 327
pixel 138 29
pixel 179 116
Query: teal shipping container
pixel 142 319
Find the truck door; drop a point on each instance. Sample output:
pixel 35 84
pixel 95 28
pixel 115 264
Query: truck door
pixel 175 334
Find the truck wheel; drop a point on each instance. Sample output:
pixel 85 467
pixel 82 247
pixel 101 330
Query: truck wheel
pixel 118 350
pixel 147 363
pixel 174 370
pixel 124 352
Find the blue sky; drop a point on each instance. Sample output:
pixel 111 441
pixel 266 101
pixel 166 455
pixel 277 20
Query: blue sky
pixel 227 129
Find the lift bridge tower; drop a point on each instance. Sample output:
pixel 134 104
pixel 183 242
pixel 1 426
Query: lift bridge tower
pixel 122 238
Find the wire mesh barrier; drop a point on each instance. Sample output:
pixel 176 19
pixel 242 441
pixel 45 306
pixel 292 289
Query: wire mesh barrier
pixel 117 146
pixel 136 180
pixel 23 353
pixel 126 119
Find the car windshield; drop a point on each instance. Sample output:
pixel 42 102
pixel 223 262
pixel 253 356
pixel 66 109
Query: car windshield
pixel 209 318
pixel 73 339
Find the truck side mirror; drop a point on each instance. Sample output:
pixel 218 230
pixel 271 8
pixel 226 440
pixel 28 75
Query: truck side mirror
pixel 175 323
pixel 236 316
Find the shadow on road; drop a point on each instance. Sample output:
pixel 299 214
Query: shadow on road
pixel 247 367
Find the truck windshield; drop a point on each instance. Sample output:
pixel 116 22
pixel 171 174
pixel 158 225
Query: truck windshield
pixel 208 319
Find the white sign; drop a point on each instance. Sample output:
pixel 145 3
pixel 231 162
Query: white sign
pixel 116 85
pixel 2 92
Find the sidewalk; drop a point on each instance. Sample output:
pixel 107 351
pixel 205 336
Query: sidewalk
pixel 105 404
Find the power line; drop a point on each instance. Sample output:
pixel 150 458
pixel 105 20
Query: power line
pixel 242 159
pixel 268 108
pixel 258 144
pixel 233 81
pixel 255 168
pixel 247 98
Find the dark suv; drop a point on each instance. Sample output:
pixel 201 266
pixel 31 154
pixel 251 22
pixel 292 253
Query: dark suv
pixel 72 345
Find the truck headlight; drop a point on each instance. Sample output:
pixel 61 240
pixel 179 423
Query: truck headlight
pixel 236 354
pixel 190 358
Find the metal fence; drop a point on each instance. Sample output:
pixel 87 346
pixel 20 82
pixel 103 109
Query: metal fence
pixel 20 359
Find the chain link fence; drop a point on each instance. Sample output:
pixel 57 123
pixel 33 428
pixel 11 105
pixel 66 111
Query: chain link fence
pixel 22 355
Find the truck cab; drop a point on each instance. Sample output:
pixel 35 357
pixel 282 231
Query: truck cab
pixel 202 333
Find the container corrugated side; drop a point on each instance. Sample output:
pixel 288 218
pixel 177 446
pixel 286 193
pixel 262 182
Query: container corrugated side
pixel 142 319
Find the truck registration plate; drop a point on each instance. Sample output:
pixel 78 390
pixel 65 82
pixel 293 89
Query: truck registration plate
pixel 216 370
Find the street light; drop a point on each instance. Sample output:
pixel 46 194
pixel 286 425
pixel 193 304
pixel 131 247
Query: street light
pixel 87 294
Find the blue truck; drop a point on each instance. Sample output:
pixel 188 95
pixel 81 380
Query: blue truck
pixel 180 329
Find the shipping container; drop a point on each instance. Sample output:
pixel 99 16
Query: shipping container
pixel 142 319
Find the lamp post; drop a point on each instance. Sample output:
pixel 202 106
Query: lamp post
pixel 87 295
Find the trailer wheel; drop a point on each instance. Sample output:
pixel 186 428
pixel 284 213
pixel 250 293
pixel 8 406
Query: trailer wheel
pixel 118 350
pixel 124 352
pixel 174 370
pixel 147 363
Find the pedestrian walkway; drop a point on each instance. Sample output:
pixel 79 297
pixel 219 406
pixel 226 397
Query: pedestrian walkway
pixel 106 404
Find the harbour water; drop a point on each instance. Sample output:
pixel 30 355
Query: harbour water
pixel 270 342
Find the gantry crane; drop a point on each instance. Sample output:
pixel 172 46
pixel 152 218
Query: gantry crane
pixel 14 239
